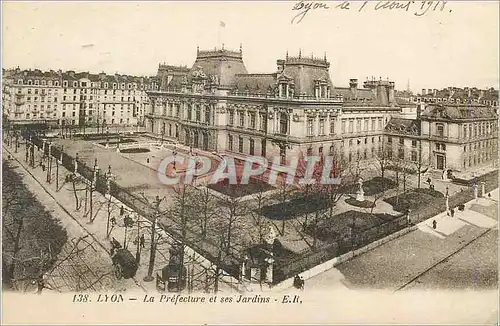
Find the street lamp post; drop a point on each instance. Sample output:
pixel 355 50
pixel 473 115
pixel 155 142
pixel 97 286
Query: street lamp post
pixel 109 175
pixel 92 185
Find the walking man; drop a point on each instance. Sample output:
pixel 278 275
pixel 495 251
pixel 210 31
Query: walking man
pixel 142 241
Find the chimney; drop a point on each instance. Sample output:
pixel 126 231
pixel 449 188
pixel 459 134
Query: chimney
pixel 470 92
pixel 423 91
pixel 382 95
pixel 419 110
pixel 429 91
pixel 392 85
pixel 435 92
pixel 353 86
pixel 281 65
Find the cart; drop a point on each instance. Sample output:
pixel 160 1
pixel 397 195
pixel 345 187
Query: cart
pixel 172 278
pixel 124 263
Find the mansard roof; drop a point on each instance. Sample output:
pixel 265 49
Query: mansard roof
pixel 403 126
pixel 454 112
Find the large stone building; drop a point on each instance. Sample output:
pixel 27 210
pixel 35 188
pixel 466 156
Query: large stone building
pixel 445 137
pixel 74 98
pixel 216 105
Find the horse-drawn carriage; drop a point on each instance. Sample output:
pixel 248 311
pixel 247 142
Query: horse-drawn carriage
pixel 124 262
pixel 173 276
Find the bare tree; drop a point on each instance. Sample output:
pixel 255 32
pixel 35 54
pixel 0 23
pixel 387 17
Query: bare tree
pixel 30 233
pixel 232 211
pixel 206 210
pixel 260 200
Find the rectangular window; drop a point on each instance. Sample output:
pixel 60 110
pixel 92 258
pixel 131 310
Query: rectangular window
pixel 413 143
pixel 252 147
pixel 240 144
pixel 351 126
pixel 321 126
pixel 389 140
pixel 465 131
pixel 414 156
pixel 401 141
pixel 310 129
pixel 262 121
pixel 332 127
pixel 373 124
pixel 252 120
pixel 283 123
pixel 440 130
pixel 242 118
pixel 343 127
pixel 230 140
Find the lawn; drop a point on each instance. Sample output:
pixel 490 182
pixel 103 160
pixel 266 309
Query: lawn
pixel 295 207
pixel 340 225
pixel 413 199
pixel 239 190
pixel 373 186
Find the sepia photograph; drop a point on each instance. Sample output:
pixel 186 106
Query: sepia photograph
pixel 250 162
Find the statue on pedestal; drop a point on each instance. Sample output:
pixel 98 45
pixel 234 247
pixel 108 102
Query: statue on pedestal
pixel 360 194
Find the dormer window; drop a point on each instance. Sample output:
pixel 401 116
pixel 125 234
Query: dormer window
pixel 20 81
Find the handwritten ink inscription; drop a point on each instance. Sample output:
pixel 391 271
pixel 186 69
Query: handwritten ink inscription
pixel 418 8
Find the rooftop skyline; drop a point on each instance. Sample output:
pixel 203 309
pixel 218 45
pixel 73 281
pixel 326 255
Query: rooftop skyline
pixel 437 50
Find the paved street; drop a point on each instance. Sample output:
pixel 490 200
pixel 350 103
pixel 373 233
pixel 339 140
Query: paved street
pixel 62 204
pixel 461 253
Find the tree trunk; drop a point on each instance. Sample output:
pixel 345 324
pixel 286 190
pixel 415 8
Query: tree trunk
pixel 17 242
pixel 76 195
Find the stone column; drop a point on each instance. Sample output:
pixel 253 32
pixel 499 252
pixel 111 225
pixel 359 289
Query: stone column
pixel 269 273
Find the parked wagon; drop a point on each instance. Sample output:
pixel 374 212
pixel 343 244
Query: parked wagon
pixel 124 263
pixel 172 278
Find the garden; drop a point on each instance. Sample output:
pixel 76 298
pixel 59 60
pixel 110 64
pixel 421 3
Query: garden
pixel 240 190
pixel 413 199
pixel 373 186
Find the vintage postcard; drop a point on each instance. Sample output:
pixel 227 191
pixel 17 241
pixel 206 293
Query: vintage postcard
pixel 250 162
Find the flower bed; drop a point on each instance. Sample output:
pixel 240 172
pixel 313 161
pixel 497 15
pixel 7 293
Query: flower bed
pixel 135 150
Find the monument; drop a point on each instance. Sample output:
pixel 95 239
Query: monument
pixel 360 194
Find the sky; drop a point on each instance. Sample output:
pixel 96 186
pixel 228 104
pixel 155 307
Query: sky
pixel 456 46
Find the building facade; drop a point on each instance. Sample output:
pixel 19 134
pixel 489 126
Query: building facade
pixel 445 137
pixel 71 98
pixel 216 105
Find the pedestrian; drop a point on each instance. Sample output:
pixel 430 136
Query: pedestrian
pixel 296 282
pixel 434 224
pixel 489 195
pixel 452 211
pixel 142 241
pixel 301 283
pixel 429 181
